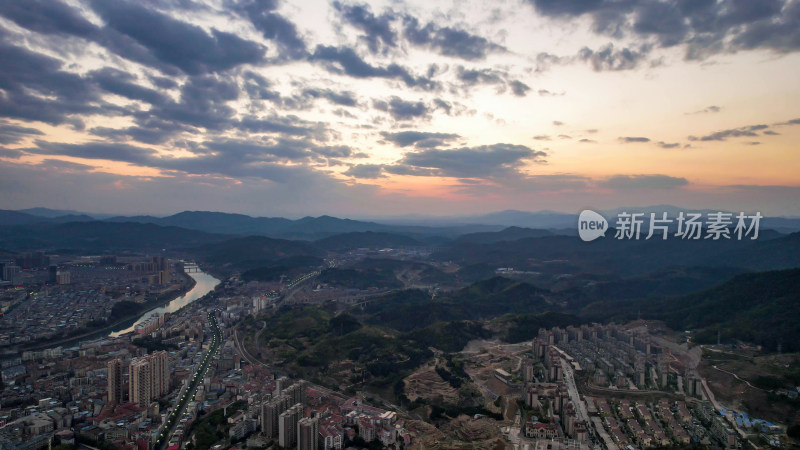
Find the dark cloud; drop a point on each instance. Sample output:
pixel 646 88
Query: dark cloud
pixel 203 103
pixel 378 32
pixel 706 27
pixel 97 150
pixel 474 77
pixel 49 17
pixel 64 166
pixel 707 110
pixel 519 88
pixel 663 144
pixel 344 98
pixel 564 136
pixel 401 109
pixel 541 137
pixel 173 42
pixel 123 84
pixel 12 134
pixel 788 122
pixel 546 93
pixel 644 182
pixel 419 139
pixel 289 125
pixel 346 61
pixel 35 88
pixel 498 160
pixel 607 58
pixel 10 153
pixel 365 171
pixel 258 87
pixel 630 139
pixel 448 41
pixel 276 28
pixel 558 123
pixel 587 141
pixel 264 158
pixel 748 131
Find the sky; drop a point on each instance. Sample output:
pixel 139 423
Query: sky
pixel 354 109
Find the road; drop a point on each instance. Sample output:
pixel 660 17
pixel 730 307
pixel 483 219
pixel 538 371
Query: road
pixel 188 395
pixel 573 391
pixel 740 379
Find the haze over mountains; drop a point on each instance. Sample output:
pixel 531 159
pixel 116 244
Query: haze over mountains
pixel 317 227
pixel 254 242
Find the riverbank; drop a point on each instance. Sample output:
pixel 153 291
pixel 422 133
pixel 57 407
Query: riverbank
pixel 161 300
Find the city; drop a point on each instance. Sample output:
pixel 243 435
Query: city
pixel 399 224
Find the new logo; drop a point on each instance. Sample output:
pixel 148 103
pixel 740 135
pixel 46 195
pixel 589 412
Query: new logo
pixel 591 225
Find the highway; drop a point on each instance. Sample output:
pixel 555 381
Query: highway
pixel 188 395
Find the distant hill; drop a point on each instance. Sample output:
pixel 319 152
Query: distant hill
pixel 11 218
pixel 307 228
pixel 762 307
pixel 51 213
pixel 98 236
pixel 289 267
pixel 507 234
pixel 254 251
pixel 366 239
pixel 567 254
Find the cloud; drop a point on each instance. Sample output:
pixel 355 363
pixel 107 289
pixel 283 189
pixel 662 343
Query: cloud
pixel 378 32
pixel 275 27
pixel 173 42
pixel 123 84
pixel 519 88
pixel 35 88
pixel 558 123
pixel 48 17
pixel 587 141
pixel 788 122
pixel 493 161
pixel 643 182
pixel 419 139
pixel 474 77
pixel 705 28
pixel 663 144
pixel 401 109
pixel 97 150
pixel 365 171
pixel 12 134
pixel 630 139
pixel 448 41
pixel 748 131
pixel 546 93
pixel 607 58
pixel 708 110
pixel 541 137
pixel 344 98
pixel 344 60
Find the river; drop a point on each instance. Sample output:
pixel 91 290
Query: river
pixel 204 283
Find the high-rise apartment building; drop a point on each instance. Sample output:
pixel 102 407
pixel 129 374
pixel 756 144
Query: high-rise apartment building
pixel 149 378
pixel 308 433
pixel 287 426
pixel 115 391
